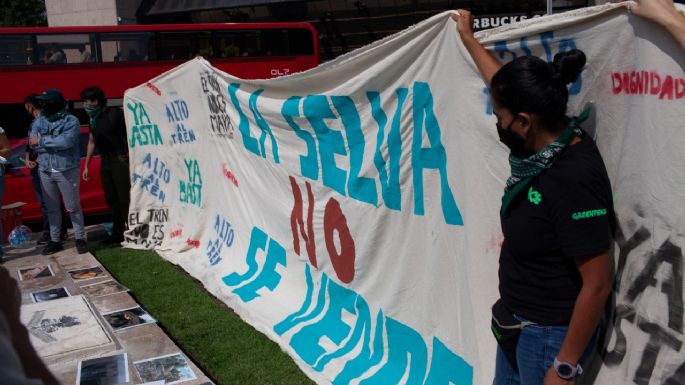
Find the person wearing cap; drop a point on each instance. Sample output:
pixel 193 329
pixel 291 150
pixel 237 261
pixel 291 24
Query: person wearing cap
pixel 56 140
pixel 5 150
pixel 33 108
pixel 108 134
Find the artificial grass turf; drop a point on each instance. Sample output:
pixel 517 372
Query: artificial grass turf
pixel 227 349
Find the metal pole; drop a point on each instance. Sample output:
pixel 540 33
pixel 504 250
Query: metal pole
pixel 549 7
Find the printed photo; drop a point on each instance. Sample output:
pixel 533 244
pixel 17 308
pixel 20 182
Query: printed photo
pixel 49 295
pixel 172 369
pixel 126 318
pixel 101 289
pixel 87 273
pixel 29 273
pixel 109 370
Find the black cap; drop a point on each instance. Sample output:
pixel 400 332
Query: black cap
pixel 51 95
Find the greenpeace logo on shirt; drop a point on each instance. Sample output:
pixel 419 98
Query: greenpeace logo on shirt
pixel 588 214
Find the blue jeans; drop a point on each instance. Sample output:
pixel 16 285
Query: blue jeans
pixel 65 184
pixel 38 189
pixel 537 346
pixel 35 181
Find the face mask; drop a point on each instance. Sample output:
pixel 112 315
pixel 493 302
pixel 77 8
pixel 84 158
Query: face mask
pixel 514 141
pixel 90 109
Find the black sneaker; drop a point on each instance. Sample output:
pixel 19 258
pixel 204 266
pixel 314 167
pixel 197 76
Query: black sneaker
pixel 44 239
pixel 52 248
pixel 81 246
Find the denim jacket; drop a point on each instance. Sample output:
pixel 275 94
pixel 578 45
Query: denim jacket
pixel 58 148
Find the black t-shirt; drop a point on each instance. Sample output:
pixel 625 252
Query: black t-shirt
pixel 110 132
pixel 566 212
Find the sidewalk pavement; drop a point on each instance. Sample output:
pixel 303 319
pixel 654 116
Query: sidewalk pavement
pixel 62 344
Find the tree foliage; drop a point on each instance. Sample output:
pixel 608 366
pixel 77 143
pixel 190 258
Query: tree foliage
pixel 22 13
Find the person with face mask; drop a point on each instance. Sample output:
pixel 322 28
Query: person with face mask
pixel 557 218
pixel 55 138
pixel 33 108
pixel 108 134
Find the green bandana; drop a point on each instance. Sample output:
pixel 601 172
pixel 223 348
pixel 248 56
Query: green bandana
pixel 94 116
pixel 55 116
pixel 523 170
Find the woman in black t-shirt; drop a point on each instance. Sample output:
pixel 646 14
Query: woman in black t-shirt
pixel 557 218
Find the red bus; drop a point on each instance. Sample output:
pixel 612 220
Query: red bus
pixel 116 58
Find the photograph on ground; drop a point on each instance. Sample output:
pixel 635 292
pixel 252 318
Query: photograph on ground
pixel 86 273
pixel 127 318
pixel 104 288
pixel 29 273
pixel 109 370
pixel 171 368
pixel 50 294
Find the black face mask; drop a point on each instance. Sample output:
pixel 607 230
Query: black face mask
pixel 514 141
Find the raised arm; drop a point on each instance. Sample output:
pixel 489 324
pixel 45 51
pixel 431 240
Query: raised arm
pixel 487 64
pixel 662 12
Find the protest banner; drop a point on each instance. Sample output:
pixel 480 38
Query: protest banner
pixel 350 212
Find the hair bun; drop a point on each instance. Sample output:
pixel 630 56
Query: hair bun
pixel 567 66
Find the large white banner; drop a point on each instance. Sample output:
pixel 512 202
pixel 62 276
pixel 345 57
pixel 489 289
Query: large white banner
pixel 350 212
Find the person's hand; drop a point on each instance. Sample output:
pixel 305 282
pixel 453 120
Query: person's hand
pixel 551 378
pixel 660 11
pixel 464 21
pixel 34 140
pixel 85 175
pixel 31 164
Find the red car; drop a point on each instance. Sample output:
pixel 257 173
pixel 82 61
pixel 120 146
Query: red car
pixel 19 188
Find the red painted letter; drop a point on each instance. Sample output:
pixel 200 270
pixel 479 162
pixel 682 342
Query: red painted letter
pixel 616 83
pixel 343 262
pixel 296 221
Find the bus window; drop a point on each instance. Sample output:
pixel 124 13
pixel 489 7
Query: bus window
pixel 16 50
pixel 64 48
pixel 239 43
pixel 184 45
pixel 275 42
pixel 227 44
pixel 301 42
pixel 126 46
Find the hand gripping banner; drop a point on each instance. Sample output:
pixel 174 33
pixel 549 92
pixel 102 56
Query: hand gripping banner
pixel 350 212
